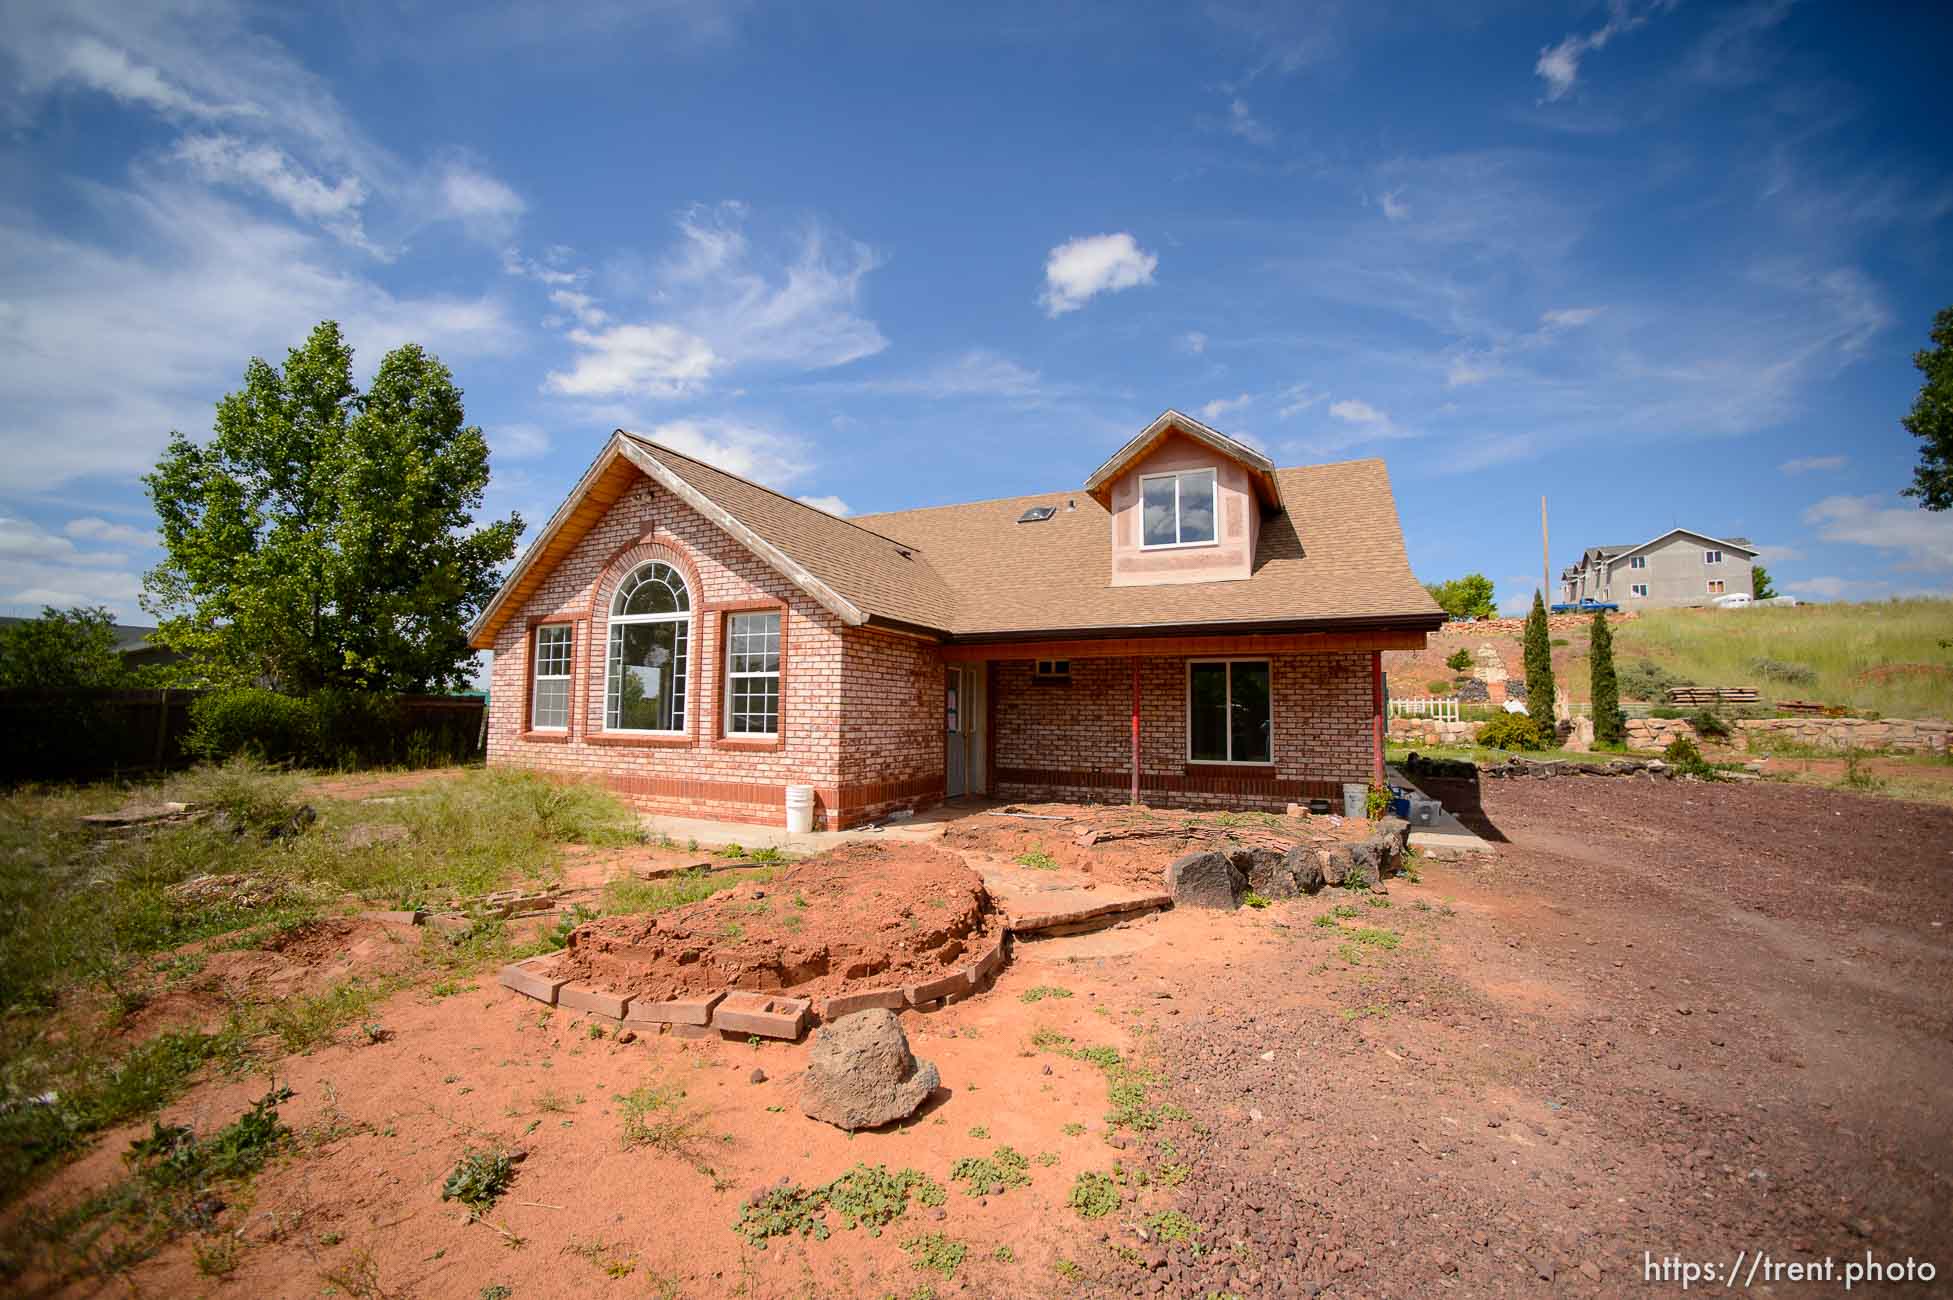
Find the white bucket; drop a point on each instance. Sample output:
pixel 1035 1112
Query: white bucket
pixel 800 809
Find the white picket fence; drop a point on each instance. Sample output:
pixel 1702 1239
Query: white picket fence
pixel 1443 710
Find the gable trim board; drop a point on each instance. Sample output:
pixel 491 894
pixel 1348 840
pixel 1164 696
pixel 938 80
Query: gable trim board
pixel 1685 532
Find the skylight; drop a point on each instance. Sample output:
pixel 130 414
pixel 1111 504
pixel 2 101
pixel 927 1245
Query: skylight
pixel 1037 514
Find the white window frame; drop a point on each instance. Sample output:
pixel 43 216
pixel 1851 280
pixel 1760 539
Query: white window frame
pixel 1715 583
pixel 537 676
pixel 1214 490
pixel 681 647
pixel 1712 557
pixel 778 674
pixel 1638 590
pixel 1637 561
pixel 1186 697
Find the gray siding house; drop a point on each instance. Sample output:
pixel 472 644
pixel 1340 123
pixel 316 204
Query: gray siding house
pixel 1678 568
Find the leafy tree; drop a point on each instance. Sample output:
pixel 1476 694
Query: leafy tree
pixel 1605 691
pixel 1539 664
pixel 1466 597
pixel 1760 585
pixel 1931 418
pixel 1460 661
pixel 63 647
pixel 325 537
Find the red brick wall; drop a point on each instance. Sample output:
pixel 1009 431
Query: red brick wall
pixel 855 722
pixel 1073 742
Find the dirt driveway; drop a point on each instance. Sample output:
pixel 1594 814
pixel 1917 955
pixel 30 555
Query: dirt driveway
pixel 1664 1018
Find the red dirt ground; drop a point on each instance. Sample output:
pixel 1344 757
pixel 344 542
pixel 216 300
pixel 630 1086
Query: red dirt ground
pixel 862 915
pixel 1659 1017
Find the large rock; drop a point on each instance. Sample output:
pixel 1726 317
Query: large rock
pixel 861 1073
pixel 1205 880
pixel 1304 868
pixel 1265 871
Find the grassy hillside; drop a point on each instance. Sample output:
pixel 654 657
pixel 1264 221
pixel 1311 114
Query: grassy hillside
pixel 1894 657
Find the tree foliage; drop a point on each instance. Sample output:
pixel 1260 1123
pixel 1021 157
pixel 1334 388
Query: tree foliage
pixel 1604 690
pixel 324 537
pixel 1760 585
pixel 63 647
pixel 1931 418
pixel 1466 597
pixel 1539 664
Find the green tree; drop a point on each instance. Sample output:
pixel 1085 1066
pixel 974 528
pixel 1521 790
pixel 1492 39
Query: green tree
pixel 1931 418
pixel 63 647
pixel 325 537
pixel 1609 727
pixel 1760 585
pixel 1460 661
pixel 1466 597
pixel 1539 665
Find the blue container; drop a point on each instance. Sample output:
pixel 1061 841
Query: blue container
pixel 1400 807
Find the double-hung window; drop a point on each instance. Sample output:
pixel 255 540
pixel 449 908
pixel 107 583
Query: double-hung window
pixel 1712 557
pixel 1177 509
pixel 1716 587
pixel 1638 589
pixel 644 677
pixel 753 674
pixel 1230 712
pixel 1637 562
pixel 549 699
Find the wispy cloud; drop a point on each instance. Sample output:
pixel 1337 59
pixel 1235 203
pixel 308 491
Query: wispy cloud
pixel 833 505
pixel 41 568
pixel 1220 406
pixel 1242 122
pixel 775 459
pixel 1559 65
pixel 978 372
pixel 1813 464
pixel 1922 539
pixel 1193 342
pixel 93 528
pixel 1394 207
pixel 635 361
pixel 1078 270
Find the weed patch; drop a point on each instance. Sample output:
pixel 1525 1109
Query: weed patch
pixel 991 1175
pixel 1093 1195
pixel 1042 991
pixel 936 1253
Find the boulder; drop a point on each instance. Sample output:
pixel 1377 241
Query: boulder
pixel 1335 864
pixel 1303 867
pixel 1266 871
pixel 1205 880
pixel 1365 868
pixel 861 1073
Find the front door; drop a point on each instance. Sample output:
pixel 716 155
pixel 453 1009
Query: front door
pixel 955 751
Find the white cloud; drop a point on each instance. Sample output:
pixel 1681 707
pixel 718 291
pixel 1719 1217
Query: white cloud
pixel 41 568
pixel 978 372
pixel 1080 269
pixel 1220 406
pixel 635 361
pixel 1193 341
pixel 549 271
pixel 1559 65
pixel 1394 208
pixel 1352 410
pixel 773 459
pixel 267 169
pixel 1777 554
pixel 1567 318
pixel 1466 369
pixel 1923 538
pixel 1515 595
pixel 833 505
pixel 1829 588
pixel 518 441
pixel 484 205
pixel 1813 464
pixel 580 305
pixel 93 528
pixel 1298 398
pixel 1241 121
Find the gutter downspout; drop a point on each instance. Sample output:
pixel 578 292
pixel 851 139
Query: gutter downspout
pixel 1135 731
pixel 1376 717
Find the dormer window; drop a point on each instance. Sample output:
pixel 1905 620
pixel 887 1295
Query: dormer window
pixel 1178 508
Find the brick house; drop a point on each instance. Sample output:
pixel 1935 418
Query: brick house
pixel 1191 627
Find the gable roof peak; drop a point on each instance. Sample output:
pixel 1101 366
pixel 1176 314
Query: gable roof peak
pixel 1170 421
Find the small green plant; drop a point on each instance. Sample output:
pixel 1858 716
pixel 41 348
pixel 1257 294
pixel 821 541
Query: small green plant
pixel 1173 1226
pixel 1512 731
pixel 1709 725
pixel 1460 661
pixel 655 1117
pixel 1376 802
pixel 1093 1195
pixel 1325 921
pixel 479 1180
pixel 1068 1270
pixel 1682 755
pixel 1252 899
pixel 871 1197
pixel 1004 1255
pixel 1043 991
pixel 1855 776
pixel 792 1209
pixel 771 853
pixel 936 1253
pixel 1037 860
pixel 993 1174
pixel 979 1131
pixel 1072 1129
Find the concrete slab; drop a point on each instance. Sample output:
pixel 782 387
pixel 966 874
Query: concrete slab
pixel 922 827
pixel 1449 836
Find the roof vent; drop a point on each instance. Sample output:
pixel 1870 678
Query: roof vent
pixel 1037 514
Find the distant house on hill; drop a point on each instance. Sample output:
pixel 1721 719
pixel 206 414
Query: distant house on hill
pixel 1677 569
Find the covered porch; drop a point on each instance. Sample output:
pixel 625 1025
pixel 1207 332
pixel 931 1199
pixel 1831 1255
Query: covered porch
pixel 1253 721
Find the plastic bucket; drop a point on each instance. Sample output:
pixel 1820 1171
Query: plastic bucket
pixel 1354 798
pixel 800 809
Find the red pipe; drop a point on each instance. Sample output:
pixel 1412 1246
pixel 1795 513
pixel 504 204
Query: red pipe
pixel 1376 717
pixel 1135 730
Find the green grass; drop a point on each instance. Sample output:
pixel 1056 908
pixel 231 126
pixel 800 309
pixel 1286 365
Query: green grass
pixel 1837 643
pixel 1037 860
pixel 629 894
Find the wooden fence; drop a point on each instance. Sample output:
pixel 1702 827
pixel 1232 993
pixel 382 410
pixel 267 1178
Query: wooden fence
pixel 77 733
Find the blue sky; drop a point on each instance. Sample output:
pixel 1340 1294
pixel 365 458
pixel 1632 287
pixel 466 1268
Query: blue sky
pixel 1664 263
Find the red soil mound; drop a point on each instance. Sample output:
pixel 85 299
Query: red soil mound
pixel 861 916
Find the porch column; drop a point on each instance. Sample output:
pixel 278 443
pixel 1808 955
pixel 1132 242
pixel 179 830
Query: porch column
pixel 1376 717
pixel 1135 730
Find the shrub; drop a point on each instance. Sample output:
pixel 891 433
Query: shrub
pixel 1644 679
pixel 1603 688
pixel 1539 664
pixel 1437 686
pixel 479 1180
pixel 329 729
pixel 1460 661
pixel 1094 1195
pixel 1708 724
pixel 1684 757
pixel 251 721
pixel 1778 670
pixel 1512 731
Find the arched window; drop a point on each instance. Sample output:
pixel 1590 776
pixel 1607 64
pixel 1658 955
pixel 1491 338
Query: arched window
pixel 650 622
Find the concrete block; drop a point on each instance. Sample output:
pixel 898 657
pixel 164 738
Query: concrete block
pixel 531 978
pixel 679 1011
pixel 932 990
pixel 587 997
pixel 989 962
pixel 844 1004
pixel 693 1031
pixel 768 1015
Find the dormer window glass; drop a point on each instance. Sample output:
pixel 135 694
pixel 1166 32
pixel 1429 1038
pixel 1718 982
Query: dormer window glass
pixel 1177 509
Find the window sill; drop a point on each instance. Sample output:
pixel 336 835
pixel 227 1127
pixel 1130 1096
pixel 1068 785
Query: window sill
pixel 544 737
pixel 1211 768
pixel 1176 546
pixel 640 742
pixel 753 745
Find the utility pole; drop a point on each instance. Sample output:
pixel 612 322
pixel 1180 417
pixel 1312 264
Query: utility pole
pixel 1545 564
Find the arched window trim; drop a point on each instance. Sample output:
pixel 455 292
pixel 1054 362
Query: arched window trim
pixel 675 579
